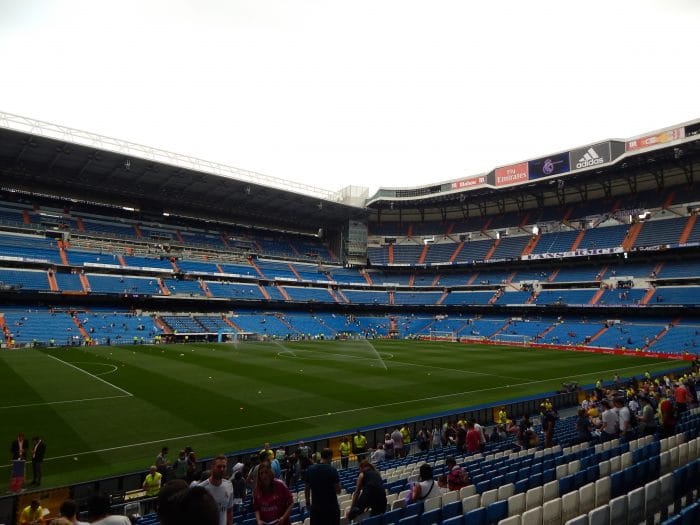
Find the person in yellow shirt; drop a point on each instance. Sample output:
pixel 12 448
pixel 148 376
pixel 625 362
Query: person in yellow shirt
pixel 545 406
pixel 151 484
pixel 405 434
pixel 32 514
pixel 344 452
pixel 359 446
pixel 267 450
pixel 502 416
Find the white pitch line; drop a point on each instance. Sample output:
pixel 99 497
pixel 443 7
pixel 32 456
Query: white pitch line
pixel 62 402
pixel 114 368
pixel 348 411
pixel 404 363
pixel 91 375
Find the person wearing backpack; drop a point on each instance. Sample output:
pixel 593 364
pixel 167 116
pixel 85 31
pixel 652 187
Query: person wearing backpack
pixel 426 487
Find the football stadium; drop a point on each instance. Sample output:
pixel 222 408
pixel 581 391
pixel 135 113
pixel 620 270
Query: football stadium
pixel 384 262
pixel 468 318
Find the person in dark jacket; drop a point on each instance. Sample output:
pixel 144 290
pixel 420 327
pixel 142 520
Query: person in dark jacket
pixel 38 453
pixel 369 493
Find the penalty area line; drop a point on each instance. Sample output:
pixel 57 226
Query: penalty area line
pixel 91 375
pixel 62 402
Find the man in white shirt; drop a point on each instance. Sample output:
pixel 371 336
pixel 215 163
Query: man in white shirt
pixel 221 490
pixel 610 420
pixel 624 417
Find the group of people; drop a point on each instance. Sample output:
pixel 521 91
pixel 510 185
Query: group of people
pixel 635 409
pixel 21 450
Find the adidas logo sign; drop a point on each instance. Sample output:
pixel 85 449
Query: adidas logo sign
pixel 590 158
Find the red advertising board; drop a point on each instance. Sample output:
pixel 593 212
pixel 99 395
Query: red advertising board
pixel 511 174
pixel 653 140
pixel 469 183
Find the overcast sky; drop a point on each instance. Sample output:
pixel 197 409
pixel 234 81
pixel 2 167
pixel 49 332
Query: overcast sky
pixel 365 92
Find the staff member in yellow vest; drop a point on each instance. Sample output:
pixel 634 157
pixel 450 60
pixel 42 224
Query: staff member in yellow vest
pixel 344 452
pixel 359 446
pixel 405 434
pixel 32 514
pixel 502 417
pixel 151 484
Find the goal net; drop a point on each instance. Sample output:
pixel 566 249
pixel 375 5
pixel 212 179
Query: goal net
pixel 513 339
pixel 436 335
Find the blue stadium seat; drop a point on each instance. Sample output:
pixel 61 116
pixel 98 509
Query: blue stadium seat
pixel 549 475
pixel 451 509
pixel 432 517
pixel 393 516
pixel 566 484
pixel 414 509
pixel 475 517
pixel 496 512
pixel 522 485
pixel 617 485
pixel 457 520
pixel 409 520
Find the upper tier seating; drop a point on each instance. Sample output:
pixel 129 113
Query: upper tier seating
pixel 661 231
pixel 510 247
pixel 607 237
pixel 25 279
pixel 555 242
pixel 29 247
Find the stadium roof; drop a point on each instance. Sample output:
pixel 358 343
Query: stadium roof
pixel 41 157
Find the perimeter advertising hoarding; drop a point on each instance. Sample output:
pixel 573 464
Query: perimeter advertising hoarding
pixel 547 166
pixel 469 183
pixel 589 156
pixel 654 140
pixel 511 174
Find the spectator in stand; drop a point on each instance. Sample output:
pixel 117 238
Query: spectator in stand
pixel 624 419
pixel 610 422
pixel 667 417
pixel 98 510
pixel 397 438
pixel 220 489
pixel 549 421
pixel 426 487
pixel 239 489
pixel 584 427
pixel 681 396
pixel 472 438
pixel 456 475
pixel 461 437
pixel 272 501
pixel 388 446
pixel 179 504
pixel 369 493
pixel 69 510
pixel 162 462
pixel 378 455
pixel 321 490
pixel 192 467
pixel 647 418
pixel 180 466
pixel 482 436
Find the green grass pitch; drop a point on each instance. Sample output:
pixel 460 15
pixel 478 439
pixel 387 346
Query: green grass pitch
pixel 108 410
